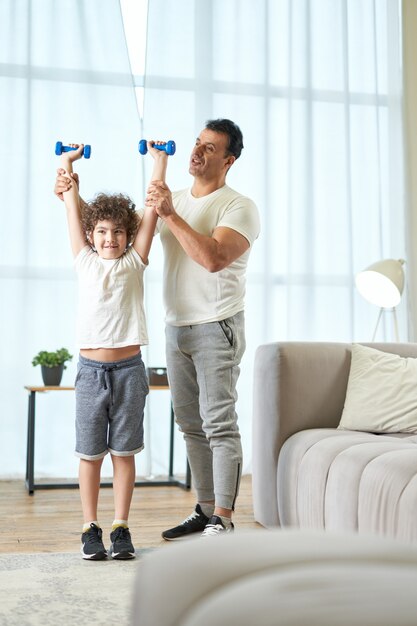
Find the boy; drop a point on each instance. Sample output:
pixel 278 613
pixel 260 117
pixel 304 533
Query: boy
pixel 110 245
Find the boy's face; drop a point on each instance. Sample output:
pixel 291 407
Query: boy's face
pixel 109 239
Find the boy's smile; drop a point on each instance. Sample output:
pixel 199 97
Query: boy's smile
pixel 109 239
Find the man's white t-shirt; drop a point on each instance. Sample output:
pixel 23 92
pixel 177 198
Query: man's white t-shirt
pixel 110 300
pixel 193 295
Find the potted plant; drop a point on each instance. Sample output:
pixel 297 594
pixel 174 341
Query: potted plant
pixel 52 365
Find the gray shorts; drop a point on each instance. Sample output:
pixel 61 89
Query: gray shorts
pixel 110 400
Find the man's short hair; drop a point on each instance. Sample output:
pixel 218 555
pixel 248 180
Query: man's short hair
pixel 230 129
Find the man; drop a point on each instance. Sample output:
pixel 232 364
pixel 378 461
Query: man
pixel 206 232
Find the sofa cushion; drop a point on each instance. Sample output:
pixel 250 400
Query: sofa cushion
pixel 381 395
pixel 346 480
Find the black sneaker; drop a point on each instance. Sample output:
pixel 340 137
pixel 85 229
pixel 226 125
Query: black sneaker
pixel 194 523
pixel 121 544
pixel 215 527
pixel 92 547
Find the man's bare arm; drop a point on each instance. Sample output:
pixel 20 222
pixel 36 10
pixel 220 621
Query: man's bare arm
pixel 213 252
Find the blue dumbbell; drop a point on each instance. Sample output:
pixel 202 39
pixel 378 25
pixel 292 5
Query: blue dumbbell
pixel 168 147
pixel 59 149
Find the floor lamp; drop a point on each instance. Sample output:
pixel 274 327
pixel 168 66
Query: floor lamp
pixel 382 284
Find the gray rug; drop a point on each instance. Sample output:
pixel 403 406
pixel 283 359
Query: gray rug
pixel 65 590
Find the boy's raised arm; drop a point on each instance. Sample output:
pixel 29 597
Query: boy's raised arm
pixel 143 240
pixel 72 202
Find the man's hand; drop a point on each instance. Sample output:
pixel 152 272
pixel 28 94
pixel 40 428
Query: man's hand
pixel 64 183
pixel 159 198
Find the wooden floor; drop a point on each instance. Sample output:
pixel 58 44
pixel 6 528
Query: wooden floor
pixel 51 520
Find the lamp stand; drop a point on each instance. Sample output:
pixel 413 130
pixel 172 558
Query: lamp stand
pixel 394 322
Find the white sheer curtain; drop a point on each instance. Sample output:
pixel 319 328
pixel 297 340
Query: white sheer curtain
pixel 315 86
pixel 64 75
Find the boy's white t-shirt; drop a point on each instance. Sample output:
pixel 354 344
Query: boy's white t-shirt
pixel 110 300
pixel 193 295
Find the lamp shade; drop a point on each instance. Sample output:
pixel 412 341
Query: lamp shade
pixel 382 283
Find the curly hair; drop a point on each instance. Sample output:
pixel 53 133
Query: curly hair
pixel 115 207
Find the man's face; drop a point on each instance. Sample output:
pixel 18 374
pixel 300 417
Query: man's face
pixel 209 159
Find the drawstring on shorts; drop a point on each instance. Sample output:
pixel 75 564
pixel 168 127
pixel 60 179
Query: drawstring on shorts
pixel 107 380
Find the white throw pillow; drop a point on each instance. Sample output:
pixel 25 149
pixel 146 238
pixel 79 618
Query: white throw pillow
pixel 381 395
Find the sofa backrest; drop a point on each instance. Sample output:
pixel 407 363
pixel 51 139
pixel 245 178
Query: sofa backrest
pixel 303 384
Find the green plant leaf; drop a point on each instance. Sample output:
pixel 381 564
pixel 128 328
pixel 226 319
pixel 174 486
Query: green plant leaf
pixel 52 359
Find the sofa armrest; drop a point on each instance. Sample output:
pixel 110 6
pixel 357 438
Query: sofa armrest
pixel 297 385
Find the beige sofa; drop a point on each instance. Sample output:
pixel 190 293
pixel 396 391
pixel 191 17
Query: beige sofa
pixel 309 474
pixel 277 578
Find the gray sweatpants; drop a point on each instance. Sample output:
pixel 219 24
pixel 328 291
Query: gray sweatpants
pixel 203 368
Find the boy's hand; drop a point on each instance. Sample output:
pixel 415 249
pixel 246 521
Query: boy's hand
pixel 154 151
pixel 68 158
pixel 72 155
pixel 64 183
